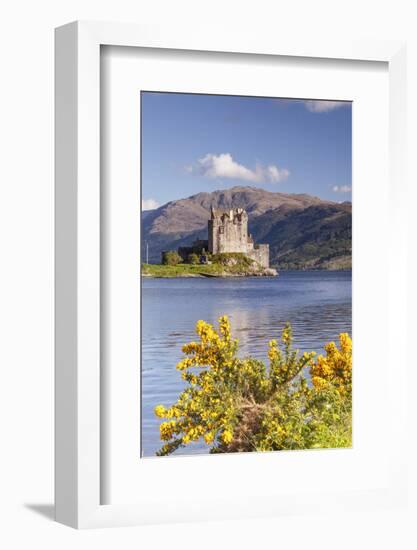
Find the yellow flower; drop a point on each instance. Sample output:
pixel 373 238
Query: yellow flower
pixel 227 436
pixel 318 382
pixel 166 430
pixel 345 343
pixel 273 352
pixel 224 324
pixel 277 407
pixel 160 411
pixel 287 335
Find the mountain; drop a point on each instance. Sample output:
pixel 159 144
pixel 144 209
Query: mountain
pixel 145 213
pixel 303 231
pixel 316 237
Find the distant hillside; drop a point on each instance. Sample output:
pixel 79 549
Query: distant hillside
pixel 318 237
pixel 302 231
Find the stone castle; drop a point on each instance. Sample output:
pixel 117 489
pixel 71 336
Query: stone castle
pixel 228 232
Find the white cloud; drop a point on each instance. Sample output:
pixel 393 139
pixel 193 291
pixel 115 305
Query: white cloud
pixel 149 204
pixel 322 106
pixel 342 189
pixel 223 166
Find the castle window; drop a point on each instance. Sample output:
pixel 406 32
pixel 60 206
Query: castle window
pixel 221 229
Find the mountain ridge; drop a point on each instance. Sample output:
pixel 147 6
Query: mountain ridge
pixel 303 231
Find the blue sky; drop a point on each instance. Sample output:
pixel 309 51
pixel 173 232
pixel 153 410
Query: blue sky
pixel 193 143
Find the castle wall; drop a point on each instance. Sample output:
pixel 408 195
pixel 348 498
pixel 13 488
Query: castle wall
pixel 198 247
pixel 228 232
pixel 212 242
pixel 260 253
pixel 230 236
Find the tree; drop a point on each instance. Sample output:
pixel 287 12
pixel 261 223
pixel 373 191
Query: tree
pixel 238 404
pixel 193 259
pixel 171 257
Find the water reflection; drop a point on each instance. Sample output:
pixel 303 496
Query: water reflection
pixel 317 304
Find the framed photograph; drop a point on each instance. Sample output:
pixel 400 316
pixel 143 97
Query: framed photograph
pixel 228 220
pixel 204 263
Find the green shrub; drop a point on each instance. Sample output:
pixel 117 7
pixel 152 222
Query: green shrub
pixel 238 404
pixel 224 258
pixel 171 257
pixel 193 259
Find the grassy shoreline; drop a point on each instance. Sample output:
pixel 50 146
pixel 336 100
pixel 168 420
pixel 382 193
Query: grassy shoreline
pixel 211 270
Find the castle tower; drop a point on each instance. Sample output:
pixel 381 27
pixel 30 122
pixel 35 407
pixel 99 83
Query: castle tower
pixel 228 231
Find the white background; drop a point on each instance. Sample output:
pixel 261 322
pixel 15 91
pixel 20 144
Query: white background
pixel 26 302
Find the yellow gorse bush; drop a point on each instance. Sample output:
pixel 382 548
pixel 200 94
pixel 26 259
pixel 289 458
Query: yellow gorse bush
pixel 235 404
pixel 336 367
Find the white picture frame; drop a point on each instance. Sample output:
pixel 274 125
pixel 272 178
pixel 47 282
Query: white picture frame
pixel 78 267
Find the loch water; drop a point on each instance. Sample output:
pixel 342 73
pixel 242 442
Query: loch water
pixel 318 304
